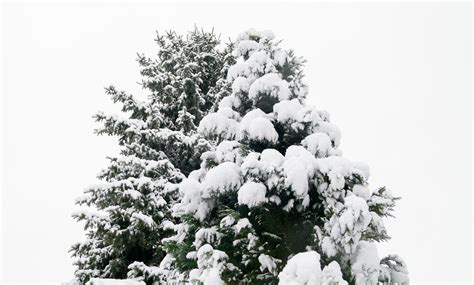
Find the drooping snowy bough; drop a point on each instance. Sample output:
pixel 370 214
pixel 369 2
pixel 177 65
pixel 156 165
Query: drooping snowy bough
pixel 275 201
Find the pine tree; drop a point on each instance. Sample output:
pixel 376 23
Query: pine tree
pixel 275 201
pixel 125 216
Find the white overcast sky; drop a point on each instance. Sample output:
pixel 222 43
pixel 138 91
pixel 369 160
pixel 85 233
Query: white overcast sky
pixel 396 79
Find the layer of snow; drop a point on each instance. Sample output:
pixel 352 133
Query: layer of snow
pixel 302 269
pixel 217 125
pixel 318 144
pixel 328 246
pixel 267 263
pixel 395 270
pixel 261 129
pixel 310 114
pixel 255 126
pixel 245 47
pixel 287 110
pixel 280 56
pixel 255 113
pixel 361 191
pixel 254 34
pixel 259 63
pixel 222 178
pixel 337 169
pixel 347 225
pixel 191 200
pixel 271 157
pixel 210 263
pixel 227 221
pixel 206 236
pixel 331 130
pixel 270 84
pixel 230 101
pixel 252 194
pixel 228 151
pixel 239 69
pixel 299 165
pixel 134 194
pixel 242 224
pixel 332 275
pixel 296 176
pixel 265 165
pixel 357 214
pixel 228 113
pixel 147 220
pixel 362 167
pixel 365 263
pixel 240 84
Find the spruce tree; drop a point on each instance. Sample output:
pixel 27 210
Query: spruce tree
pixel 125 217
pixel 275 201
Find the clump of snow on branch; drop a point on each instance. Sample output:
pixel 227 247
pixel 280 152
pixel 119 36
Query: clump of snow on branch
pixel 361 191
pixel 228 151
pixel 210 263
pixel 393 270
pixel 256 126
pixel 365 263
pixel 206 235
pixel 222 178
pixel 318 144
pixel 267 263
pixel 345 228
pixel 140 217
pixel 270 84
pixel 332 275
pixel 303 268
pixel 192 201
pixel 261 129
pixel 252 194
pixel 217 125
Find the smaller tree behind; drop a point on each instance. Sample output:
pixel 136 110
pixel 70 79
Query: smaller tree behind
pixel 124 216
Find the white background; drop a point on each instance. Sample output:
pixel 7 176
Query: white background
pixel 396 79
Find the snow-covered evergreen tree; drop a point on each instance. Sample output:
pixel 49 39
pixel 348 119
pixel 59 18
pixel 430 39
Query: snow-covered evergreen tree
pixel 126 216
pixel 275 201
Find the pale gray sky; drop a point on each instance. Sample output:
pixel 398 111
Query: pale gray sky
pixel 396 79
